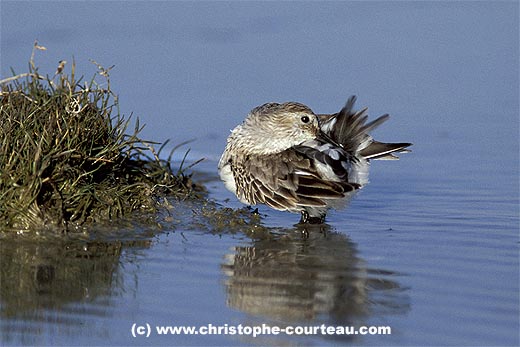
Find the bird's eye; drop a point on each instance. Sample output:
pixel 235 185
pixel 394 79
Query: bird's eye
pixel 305 119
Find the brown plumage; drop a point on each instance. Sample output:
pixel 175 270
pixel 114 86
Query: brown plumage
pixel 288 158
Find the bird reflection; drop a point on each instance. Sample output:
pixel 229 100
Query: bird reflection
pixel 309 273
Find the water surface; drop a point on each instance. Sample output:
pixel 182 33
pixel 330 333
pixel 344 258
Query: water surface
pixel 429 248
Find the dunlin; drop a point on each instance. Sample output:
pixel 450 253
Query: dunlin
pixel 290 159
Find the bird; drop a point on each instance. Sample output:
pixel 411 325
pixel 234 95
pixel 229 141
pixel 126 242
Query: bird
pixel 287 157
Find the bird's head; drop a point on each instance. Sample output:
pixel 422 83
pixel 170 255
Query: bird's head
pixel 273 128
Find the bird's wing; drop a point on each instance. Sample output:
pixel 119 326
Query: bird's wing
pixel 350 129
pixel 380 150
pixel 292 179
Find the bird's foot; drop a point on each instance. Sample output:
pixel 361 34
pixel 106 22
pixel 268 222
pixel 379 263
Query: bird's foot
pixel 307 219
pixel 253 212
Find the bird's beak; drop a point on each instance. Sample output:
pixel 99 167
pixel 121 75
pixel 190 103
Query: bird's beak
pixel 326 138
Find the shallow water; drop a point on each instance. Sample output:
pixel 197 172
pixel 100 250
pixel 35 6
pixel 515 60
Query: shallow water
pixel 429 248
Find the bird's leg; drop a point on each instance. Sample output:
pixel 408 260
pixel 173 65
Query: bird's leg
pixel 254 212
pixel 307 219
pixel 304 217
pixel 316 220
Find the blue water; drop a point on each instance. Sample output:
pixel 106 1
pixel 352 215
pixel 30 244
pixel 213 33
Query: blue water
pixel 430 247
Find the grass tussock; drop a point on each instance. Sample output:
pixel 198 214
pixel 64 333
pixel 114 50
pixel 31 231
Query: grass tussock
pixel 67 156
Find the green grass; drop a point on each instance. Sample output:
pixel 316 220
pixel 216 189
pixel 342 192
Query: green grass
pixel 67 156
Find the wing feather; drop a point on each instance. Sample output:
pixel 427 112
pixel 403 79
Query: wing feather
pixel 290 180
pixel 348 128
